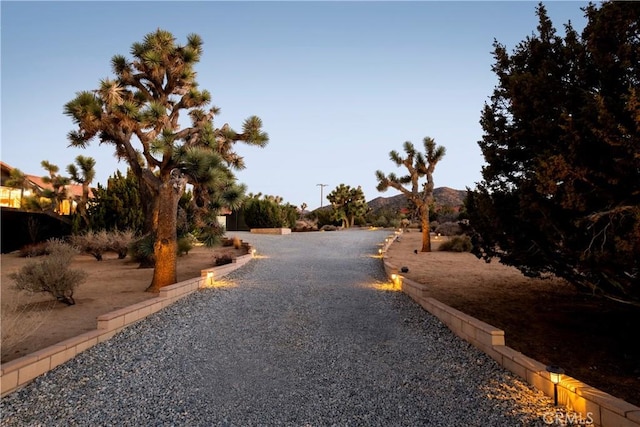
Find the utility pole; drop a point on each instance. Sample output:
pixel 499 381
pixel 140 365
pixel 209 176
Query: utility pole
pixel 321 188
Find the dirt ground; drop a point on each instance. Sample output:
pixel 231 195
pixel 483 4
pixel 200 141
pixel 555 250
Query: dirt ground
pixel 594 340
pixel 110 284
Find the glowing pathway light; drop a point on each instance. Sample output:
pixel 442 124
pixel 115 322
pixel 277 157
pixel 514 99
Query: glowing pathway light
pixel 396 279
pixel 555 375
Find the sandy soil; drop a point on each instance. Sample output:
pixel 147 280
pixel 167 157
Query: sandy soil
pixel 593 339
pixel 111 284
pixel 548 320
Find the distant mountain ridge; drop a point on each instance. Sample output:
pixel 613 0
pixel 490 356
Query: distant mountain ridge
pixel 444 196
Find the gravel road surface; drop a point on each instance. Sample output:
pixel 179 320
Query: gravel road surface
pixel 303 335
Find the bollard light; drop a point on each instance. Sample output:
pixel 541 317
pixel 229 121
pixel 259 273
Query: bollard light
pixel 555 375
pixel 209 277
pixel 396 279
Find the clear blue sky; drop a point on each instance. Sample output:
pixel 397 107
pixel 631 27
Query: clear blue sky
pixel 337 84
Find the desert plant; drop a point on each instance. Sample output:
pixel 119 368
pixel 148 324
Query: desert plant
pixel 418 165
pixel 93 243
pixel 237 243
pixel 52 274
pixel 142 109
pixel 19 322
pixel 347 204
pixel 141 251
pixel 449 229
pixel 185 244
pixel 380 221
pixel 119 242
pixel 460 243
pixel 211 234
pixel 33 250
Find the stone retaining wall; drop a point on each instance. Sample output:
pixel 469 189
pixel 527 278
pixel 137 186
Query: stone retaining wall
pixel 271 230
pixel 604 409
pixel 18 372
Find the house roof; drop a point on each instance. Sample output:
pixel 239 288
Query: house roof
pixel 73 190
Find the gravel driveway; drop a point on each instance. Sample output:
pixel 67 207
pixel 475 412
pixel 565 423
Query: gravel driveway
pixel 301 337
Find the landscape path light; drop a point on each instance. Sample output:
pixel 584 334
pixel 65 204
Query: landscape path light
pixel 555 375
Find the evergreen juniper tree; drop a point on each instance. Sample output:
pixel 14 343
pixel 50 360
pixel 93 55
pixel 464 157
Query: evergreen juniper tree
pixel 561 186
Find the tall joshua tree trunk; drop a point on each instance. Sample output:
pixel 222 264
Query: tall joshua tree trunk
pixel 165 247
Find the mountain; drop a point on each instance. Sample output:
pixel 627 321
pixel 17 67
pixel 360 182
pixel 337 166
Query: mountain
pixel 444 196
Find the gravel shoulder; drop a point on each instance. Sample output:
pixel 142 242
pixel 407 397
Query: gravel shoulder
pixel 304 335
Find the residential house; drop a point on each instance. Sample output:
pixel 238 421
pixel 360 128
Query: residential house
pixel 13 197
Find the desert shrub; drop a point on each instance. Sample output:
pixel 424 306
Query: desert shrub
pixel 185 244
pixel 449 229
pixel 51 274
pixel 237 243
pixel 328 227
pixel 222 260
pixel 119 242
pixel 394 223
pixel 95 243
pixel 141 250
pixel 323 217
pixel 33 250
pixel 19 322
pixel 460 243
pixel 381 221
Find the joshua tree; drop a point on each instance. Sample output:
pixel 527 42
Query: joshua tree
pixel 348 204
pixel 142 106
pixel 83 174
pixel 17 179
pixel 58 183
pixel 418 166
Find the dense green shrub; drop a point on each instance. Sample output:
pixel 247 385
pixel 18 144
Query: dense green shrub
pixel 117 206
pixel 460 243
pixel 263 214
pixel 210 235
pixel 323 217
pixel 380 221
pixel 51 274
pixel 289 214
pixel 141 250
